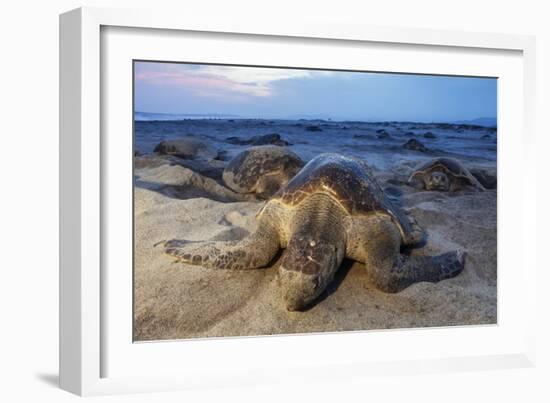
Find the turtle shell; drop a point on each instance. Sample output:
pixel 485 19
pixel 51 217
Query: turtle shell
pixel 350 181
pixel 248 167
pixel 450 166
pixel 187 148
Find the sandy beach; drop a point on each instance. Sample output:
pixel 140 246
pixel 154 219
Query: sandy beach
pixel 179 198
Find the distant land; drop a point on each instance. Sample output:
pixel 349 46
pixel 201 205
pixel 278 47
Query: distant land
pixel 152 116
pixel 180 116
pixel 489 122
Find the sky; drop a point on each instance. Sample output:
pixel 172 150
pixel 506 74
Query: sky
pixel 273 93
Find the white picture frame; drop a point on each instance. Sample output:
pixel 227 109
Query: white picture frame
pixel 86 346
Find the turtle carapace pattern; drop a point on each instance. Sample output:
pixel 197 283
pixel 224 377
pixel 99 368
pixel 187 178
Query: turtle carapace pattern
pixel 261 170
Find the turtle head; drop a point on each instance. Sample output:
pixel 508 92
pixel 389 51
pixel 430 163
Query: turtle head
pixel 438 181
pixel 307 266
pixel 268 185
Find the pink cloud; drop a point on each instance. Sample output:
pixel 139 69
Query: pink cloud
pixel 220 81
pixel 204 84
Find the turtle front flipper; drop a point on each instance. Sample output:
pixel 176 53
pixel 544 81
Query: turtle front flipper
pixel 376 242
pixel 476 184
pixel 407 270
pixel 252 252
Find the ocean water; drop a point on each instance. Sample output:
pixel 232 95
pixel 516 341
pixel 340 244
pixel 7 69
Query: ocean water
pixel 379 143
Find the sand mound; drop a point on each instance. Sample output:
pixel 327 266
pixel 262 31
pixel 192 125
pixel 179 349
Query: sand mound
pixel 211 169
pixel 178 182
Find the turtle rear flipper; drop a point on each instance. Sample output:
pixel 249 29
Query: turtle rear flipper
pixel 416 234
pixel 411 232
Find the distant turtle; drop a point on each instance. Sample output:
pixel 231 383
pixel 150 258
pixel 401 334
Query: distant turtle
pixel 415 145
pixel 313 128
pixel 188 148
pixel 260 140
pixel 262 170
pixel 444 174
pixel 332 209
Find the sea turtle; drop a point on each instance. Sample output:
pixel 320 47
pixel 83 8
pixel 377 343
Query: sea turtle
pixel 414 144
pixel 260 140
pixel 188 148
pixel 445 174
pixel 332 209
pixel 261 170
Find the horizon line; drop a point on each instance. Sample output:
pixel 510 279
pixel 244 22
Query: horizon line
pixel 224 116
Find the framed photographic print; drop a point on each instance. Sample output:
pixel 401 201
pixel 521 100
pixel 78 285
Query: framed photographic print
pixel 237 199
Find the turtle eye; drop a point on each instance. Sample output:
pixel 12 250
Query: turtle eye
pixel 315 283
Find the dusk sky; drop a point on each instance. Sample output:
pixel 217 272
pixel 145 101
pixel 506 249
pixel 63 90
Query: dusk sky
pixel 291 93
